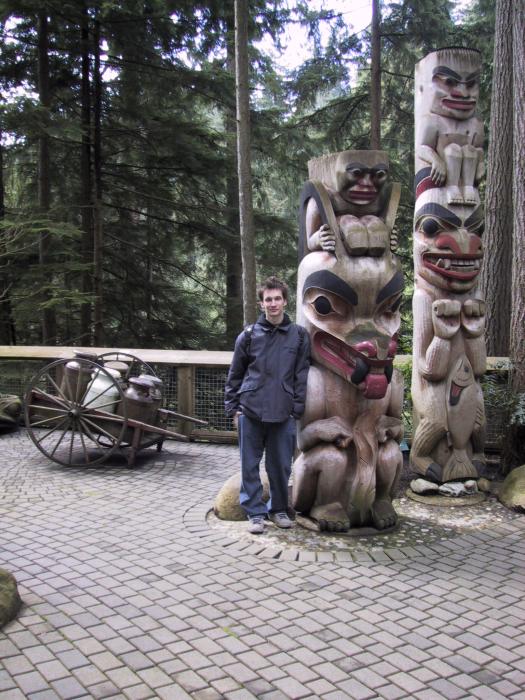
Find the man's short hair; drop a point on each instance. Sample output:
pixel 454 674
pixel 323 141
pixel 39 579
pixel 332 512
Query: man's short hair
pixel 273 283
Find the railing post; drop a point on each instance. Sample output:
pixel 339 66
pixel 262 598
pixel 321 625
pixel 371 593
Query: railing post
pixel 186 396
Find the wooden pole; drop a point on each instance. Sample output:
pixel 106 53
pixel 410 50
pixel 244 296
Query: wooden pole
pixel 244 162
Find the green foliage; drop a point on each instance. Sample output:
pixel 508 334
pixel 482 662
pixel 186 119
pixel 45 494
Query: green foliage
pixel 168 161
pixel 499 395
pixel 505 411
pixel 406 370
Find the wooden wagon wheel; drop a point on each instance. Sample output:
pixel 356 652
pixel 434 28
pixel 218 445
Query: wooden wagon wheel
pixel 67 427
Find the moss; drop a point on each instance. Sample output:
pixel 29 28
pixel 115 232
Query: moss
pixel 10 600
pixel 512 493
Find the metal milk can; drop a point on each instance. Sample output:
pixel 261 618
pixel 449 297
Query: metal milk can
pixel 103 391
pixel 155 392
pixel 138 400
pixel 77 376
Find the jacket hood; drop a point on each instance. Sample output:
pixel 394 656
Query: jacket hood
pixel 263 321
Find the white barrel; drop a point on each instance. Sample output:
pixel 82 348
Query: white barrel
pixel 103 391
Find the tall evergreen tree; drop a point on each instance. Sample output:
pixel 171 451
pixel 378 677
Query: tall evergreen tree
pixel 517 328
pixel 498 195
pixel 244 161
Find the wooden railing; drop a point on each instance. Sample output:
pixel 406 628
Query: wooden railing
pixel 194 380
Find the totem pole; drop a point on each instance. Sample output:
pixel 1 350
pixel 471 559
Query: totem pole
pixel 449 347
pixel 348 295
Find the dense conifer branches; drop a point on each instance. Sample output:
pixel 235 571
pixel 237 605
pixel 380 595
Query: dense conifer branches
pixel 161 164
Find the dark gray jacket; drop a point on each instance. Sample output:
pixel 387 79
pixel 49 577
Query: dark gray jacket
pixel 267 377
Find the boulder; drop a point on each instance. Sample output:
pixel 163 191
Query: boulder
pixel 10 410
pixel 423 486
pixel 227 506
pixel 512 492
pixel 484 485
pixel 10 600
pixel 452 488
pixel 459 488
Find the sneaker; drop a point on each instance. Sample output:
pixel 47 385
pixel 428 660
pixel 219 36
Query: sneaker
pixel 256 526
pixel 281 520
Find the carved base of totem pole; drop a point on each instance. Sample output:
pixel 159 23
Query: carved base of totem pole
pixel 353 532
pixel 449 313
pixel 349 291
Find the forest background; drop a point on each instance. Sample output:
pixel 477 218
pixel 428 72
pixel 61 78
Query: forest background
pixel 119 192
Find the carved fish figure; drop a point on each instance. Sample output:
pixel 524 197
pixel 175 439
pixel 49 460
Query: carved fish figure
pixel 462 395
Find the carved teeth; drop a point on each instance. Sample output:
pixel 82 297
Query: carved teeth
pixel 463 263
pixel 448 263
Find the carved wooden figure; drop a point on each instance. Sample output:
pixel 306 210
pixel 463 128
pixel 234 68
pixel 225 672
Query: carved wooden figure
pixel 449 135
pixel 449 313
pixel 360 196
pixel 349 291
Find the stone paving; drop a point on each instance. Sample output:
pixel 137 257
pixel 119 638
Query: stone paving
pixel 132 591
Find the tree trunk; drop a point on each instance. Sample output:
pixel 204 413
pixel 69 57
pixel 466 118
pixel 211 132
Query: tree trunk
pixel 98 238
pixel 375 78
pixel 86 202
pixel 44 182
pixel 498 199
pixel 7 326
pixel 244 162
pixel 517 323
pixel 233 311
pixel 513 452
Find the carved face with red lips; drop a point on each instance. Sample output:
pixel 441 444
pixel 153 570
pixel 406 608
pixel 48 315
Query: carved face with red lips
pixel 353 327
pixel 359 178
pixel 447 250
pixel 455 82
pixel 456 92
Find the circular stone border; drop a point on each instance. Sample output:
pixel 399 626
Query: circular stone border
pixel 439 537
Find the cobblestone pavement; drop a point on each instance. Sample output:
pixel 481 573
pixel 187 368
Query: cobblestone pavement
pixel 131 592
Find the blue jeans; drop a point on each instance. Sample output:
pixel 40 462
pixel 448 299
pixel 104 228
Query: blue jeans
pixel 278 439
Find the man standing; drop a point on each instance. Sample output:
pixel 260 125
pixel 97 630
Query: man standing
pixel 265 394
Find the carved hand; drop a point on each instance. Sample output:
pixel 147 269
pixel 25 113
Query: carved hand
pixel 438 170
pixel 480 170
pixel 473 317
pixel 326 238
pixel 334 430
pixel 446 317
pixel 389 427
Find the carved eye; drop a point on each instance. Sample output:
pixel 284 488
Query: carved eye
pixel 430 226
pixel 322 306
pixel 471 83
pixel 478 228
pixel 451 82
pixel 379 175
pixel 397 303
pixel 391 306
pixel 356 173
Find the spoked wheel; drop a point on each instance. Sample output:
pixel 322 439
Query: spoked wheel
pixel 67 417
pixel 129 365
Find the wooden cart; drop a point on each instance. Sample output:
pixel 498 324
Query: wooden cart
pixel 74 431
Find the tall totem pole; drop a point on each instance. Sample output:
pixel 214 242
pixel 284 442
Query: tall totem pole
pixel 449 313
pixel 348 294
